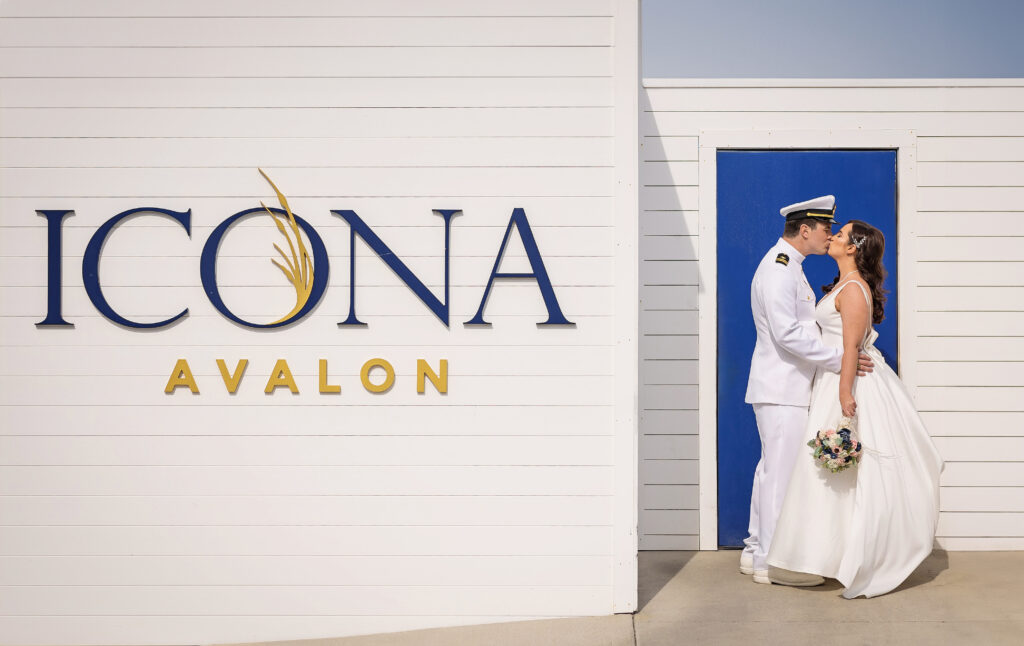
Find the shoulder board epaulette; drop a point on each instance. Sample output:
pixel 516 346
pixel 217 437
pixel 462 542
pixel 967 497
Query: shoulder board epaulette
pixel 782 259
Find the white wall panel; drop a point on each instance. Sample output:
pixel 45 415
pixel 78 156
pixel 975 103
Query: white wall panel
pixel 309 570
pixel 974 273
pixel 303 510
pixel 982 423
pixel 965 263
pixel 303 61
pixel 954 223
pixel 98 420
pixel 301 450
pixel 438 8
pixel 981 499
pixel 302 153
pixel 1001 123
pixel 310 31
pixel 307 93
pixel 396 182
pixel 984 149
pixel 301 480
pixel 136 516
pixel 296 122
pixel 834 98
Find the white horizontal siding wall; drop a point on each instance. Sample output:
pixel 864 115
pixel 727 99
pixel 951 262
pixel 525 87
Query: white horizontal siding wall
pixel 966 270
pixel 132 516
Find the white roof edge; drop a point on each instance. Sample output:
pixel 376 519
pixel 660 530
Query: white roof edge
pixel 821 82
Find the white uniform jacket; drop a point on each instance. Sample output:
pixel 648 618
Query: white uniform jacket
pixel 789 346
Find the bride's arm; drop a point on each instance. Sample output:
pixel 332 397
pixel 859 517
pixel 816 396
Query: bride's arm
pixel 853 310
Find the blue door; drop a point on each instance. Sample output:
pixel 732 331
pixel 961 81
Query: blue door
pixel 752 186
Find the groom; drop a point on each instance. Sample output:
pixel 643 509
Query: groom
pixel 787 352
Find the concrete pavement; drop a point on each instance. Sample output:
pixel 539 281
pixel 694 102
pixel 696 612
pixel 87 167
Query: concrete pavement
pixel 957 598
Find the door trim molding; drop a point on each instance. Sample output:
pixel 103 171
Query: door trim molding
pixel 709 143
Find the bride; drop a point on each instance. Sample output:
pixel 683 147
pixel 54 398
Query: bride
pixel 869 526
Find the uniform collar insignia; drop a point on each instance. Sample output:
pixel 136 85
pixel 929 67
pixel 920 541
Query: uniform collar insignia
pixel 790 251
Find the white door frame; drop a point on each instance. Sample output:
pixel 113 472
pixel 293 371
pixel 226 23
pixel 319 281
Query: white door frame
pixel 710 142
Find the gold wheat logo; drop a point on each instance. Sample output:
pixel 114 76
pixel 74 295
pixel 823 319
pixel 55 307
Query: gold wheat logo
pixel 298 267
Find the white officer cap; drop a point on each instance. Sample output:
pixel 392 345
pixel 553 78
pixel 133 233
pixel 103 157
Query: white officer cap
pixel 821 208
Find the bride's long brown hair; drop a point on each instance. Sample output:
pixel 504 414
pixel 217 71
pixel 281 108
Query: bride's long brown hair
pixel 870 247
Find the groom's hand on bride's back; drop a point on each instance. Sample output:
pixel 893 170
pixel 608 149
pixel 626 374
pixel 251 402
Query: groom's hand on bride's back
pixel 864 365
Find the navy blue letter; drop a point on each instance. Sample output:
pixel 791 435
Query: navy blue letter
pixel 54 220
pixel 539 273
pixel 208 269
pixel 360 228
pixel 91 264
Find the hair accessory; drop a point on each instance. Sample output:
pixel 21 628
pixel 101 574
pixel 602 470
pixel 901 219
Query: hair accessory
pixel 858 241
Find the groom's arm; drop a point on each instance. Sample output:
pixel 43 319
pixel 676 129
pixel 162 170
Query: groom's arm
pixel 789 333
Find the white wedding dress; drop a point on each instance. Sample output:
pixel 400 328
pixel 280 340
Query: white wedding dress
pixel 872 525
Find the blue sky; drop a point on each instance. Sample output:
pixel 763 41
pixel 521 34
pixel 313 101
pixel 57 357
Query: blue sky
pixel 833 38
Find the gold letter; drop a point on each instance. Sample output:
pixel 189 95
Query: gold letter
pixel 326 388
pixel 423 370
pixel 181 376
pixel 281 376
pixel 231 381
pixel 389 375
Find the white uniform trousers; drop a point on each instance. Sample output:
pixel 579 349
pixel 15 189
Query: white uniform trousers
pixel 782 436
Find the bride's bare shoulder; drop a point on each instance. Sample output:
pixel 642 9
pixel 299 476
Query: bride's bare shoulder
pixel 856 303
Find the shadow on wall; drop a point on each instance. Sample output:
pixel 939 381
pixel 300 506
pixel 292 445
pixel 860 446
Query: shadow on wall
pixel 656 569
pixel 668 342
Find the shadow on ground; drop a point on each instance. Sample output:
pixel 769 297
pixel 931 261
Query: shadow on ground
pixel 936 563
pixel 701 598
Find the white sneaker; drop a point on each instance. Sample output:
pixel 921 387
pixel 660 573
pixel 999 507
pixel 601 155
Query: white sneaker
pixel 761 576
pixel 789 577
pixel 746 563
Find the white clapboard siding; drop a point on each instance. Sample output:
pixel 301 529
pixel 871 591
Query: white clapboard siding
pixel 134 516
pixel 358 420
pixel 965 262
pixel 308 93
pixel 398 8
pixel 299 450
pixel 203 182
pixel 303 480
pixel 965 424
pixel 951 223
pixel 211 123
pixel 271 154
pixel 306 510
pixel 1004 123
pixel 299 570
pixel 305 61
pixel 310 31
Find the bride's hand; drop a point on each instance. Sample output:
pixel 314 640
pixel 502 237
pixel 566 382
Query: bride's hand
pixel 848 404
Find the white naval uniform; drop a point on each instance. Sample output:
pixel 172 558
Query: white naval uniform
pixel 787 352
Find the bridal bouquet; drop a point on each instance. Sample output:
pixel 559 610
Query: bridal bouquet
pixel 837 449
